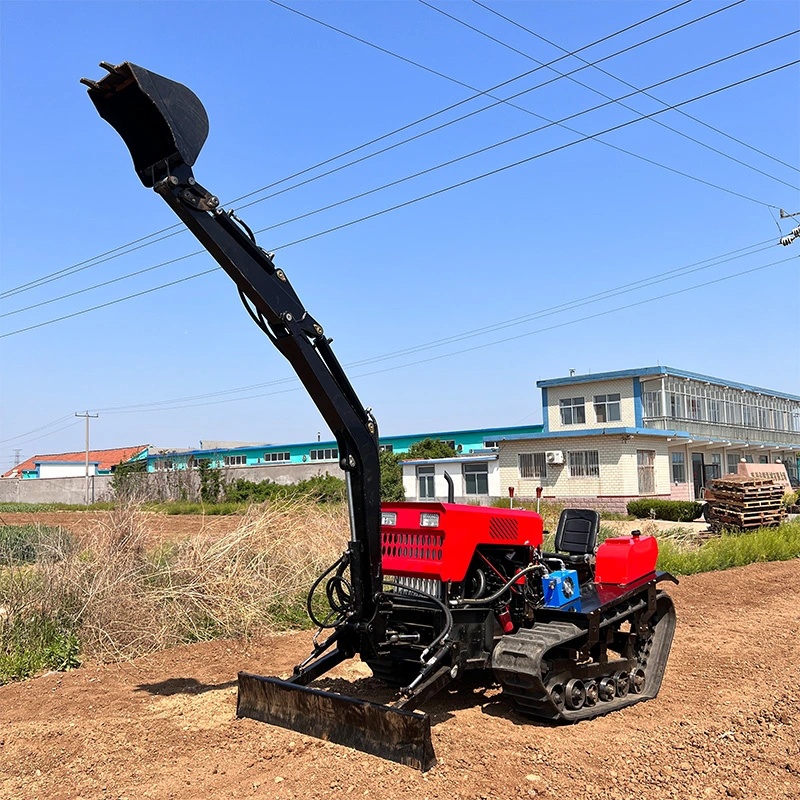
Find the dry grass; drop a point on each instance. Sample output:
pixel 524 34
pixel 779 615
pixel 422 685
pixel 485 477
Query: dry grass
pixel 123 599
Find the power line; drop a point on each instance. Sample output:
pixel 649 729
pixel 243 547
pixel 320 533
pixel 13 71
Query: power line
pixel 540 155
pixel 36 430
pixel 178 228
pixel 433 169
pixel 504 340
pixel 423 197
pixel 603 94
pixel 632 86
pixel 606 294
pixel 50 433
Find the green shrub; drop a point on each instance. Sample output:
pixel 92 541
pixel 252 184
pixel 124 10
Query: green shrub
pixel 671 510
pixel 791 499
pixel 391 477
pixel 34 643
pixel 321 488
pixel 26 544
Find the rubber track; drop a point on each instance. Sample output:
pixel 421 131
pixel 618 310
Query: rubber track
pixel 517 663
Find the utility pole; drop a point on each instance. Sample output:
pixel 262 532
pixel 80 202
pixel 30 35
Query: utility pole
pixel 88 416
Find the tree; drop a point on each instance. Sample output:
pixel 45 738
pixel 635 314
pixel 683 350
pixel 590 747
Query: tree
pixel 391 477
pixel 430 448
pixel 210 481
pixel 129 480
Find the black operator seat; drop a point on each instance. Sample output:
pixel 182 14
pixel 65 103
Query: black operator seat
pixel 576 538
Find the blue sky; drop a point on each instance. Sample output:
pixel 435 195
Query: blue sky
pixel 284 93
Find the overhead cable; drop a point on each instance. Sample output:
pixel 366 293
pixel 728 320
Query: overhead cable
pixel 435 193
pixel 632 86
pixel 644 92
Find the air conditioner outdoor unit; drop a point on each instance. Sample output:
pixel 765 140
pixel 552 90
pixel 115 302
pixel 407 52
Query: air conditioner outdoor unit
pixel 554 457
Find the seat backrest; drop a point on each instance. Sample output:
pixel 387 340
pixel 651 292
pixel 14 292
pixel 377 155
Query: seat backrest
pixel 577 531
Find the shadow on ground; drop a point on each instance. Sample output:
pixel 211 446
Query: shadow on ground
pixel 173 686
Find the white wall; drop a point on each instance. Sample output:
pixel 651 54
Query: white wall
pixel 621 386
pixel 454 468
pixel 72 470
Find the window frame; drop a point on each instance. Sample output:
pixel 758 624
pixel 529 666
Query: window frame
pixel 533 469
pixel 677 466
pixel 472 474
pixel 607 403
pixel 589 463
pixel 572 408
pixel 332 454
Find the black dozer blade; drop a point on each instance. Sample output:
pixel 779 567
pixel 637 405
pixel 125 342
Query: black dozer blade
pixel 162 122
pixel 391 733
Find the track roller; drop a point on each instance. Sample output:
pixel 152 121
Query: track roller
pixel 557 695
pixel 591 693
pixel 607 689
pixel 623 681
pixel 638 679
pixel 575 693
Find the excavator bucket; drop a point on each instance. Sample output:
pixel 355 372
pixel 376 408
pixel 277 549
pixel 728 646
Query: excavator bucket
pixel 162 122
pixel 394 734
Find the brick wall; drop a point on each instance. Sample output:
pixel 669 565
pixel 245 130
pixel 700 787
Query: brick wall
pixel 618 476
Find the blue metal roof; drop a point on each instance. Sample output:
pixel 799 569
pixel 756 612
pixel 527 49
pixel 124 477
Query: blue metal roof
pixel 648 432
pixel 599 432
pixel 679 373
pixel 456 460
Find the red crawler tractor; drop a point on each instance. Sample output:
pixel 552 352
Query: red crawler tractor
pixel 425 592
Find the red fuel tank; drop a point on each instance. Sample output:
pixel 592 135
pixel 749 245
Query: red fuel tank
pixel 622 560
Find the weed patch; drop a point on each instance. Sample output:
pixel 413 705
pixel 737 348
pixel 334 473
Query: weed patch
pixel 729 550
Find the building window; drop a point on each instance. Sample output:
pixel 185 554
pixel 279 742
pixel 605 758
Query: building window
pixel 490 444
pixel 532 465
pixel 584 464
pixel 652 404
pixel 451 443
pixel 606 407
pixel 386 448
pixel 277 456
pixel 235 461
pixel 425 483
pixel 733 463
pixel 763 459
pixel 165 463
pixel 573 411
pixel 714 469
pixel 476 478
pixel 326 454
pixel 196 462
pixel 678 467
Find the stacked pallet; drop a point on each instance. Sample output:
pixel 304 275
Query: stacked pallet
pixel 743 502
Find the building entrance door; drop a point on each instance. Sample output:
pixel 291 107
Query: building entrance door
pixel 698 475
pixel 645 464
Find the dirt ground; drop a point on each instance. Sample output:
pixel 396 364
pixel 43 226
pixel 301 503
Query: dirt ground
pixel 726 723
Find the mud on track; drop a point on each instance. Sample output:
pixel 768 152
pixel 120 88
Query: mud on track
pixel 726 724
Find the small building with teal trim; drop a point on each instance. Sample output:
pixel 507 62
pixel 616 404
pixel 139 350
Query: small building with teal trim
pixel 322 455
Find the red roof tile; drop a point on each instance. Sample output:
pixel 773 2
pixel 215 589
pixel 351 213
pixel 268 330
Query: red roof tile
pixel 105 458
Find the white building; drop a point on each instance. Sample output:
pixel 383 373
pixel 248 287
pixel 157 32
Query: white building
pixel 475 478
pixel 611 437
pixel 657 431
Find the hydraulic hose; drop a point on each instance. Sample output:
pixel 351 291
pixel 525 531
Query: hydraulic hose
pixel 501 591
pixel 337 584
